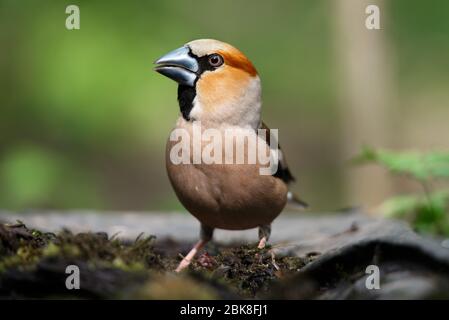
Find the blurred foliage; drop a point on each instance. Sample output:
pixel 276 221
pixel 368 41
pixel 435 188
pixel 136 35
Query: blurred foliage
pixel 421 166
pixel 429 212
pixel 35 178
pixel 86 118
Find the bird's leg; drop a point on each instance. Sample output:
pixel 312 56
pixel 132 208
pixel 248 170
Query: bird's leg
pixel 206 234
pixel 264 235
pixel 188 258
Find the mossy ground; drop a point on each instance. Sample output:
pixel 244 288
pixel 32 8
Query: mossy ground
pixel 32 265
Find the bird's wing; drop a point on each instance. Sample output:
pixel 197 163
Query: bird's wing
pixel 283 172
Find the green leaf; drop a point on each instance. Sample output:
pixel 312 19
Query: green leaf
pixel 401 206
pixel 420 166
pixel 427 214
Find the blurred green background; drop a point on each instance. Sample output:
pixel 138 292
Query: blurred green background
pixel 84 118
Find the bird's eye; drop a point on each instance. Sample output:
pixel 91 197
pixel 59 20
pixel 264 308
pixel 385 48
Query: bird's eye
pixel 215 60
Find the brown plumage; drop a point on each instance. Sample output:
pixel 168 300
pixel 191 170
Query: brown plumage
pixel 219 89
pixel 233 197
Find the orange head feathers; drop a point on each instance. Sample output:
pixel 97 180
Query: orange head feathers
pixel 217 82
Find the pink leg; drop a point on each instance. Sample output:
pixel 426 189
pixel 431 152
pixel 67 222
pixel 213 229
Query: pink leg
pixel 262 243
pixel 264 234
pixel 189 257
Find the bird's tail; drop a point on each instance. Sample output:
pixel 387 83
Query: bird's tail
pixel 295 202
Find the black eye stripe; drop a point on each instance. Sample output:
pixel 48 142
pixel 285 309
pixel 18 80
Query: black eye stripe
pixel 187 94
pixel 203 62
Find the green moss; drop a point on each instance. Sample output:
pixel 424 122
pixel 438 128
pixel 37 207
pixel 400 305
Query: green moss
pixel 248 270
pixel 133 269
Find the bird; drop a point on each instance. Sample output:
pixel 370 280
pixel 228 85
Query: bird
pixel 219 88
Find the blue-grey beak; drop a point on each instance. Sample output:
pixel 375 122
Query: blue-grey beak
pixel 178 65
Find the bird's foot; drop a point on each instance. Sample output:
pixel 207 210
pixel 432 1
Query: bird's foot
pixel 262 243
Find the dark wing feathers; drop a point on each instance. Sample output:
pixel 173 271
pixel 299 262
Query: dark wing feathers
pixel 283 172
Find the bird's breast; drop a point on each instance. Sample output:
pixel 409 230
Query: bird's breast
pixel 218 193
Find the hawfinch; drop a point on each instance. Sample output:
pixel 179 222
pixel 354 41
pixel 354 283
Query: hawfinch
pixel 219 88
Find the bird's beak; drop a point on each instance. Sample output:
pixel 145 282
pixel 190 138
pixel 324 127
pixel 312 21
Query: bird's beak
pixel 178 65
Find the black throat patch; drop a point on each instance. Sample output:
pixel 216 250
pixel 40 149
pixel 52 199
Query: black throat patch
pixel 186 95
